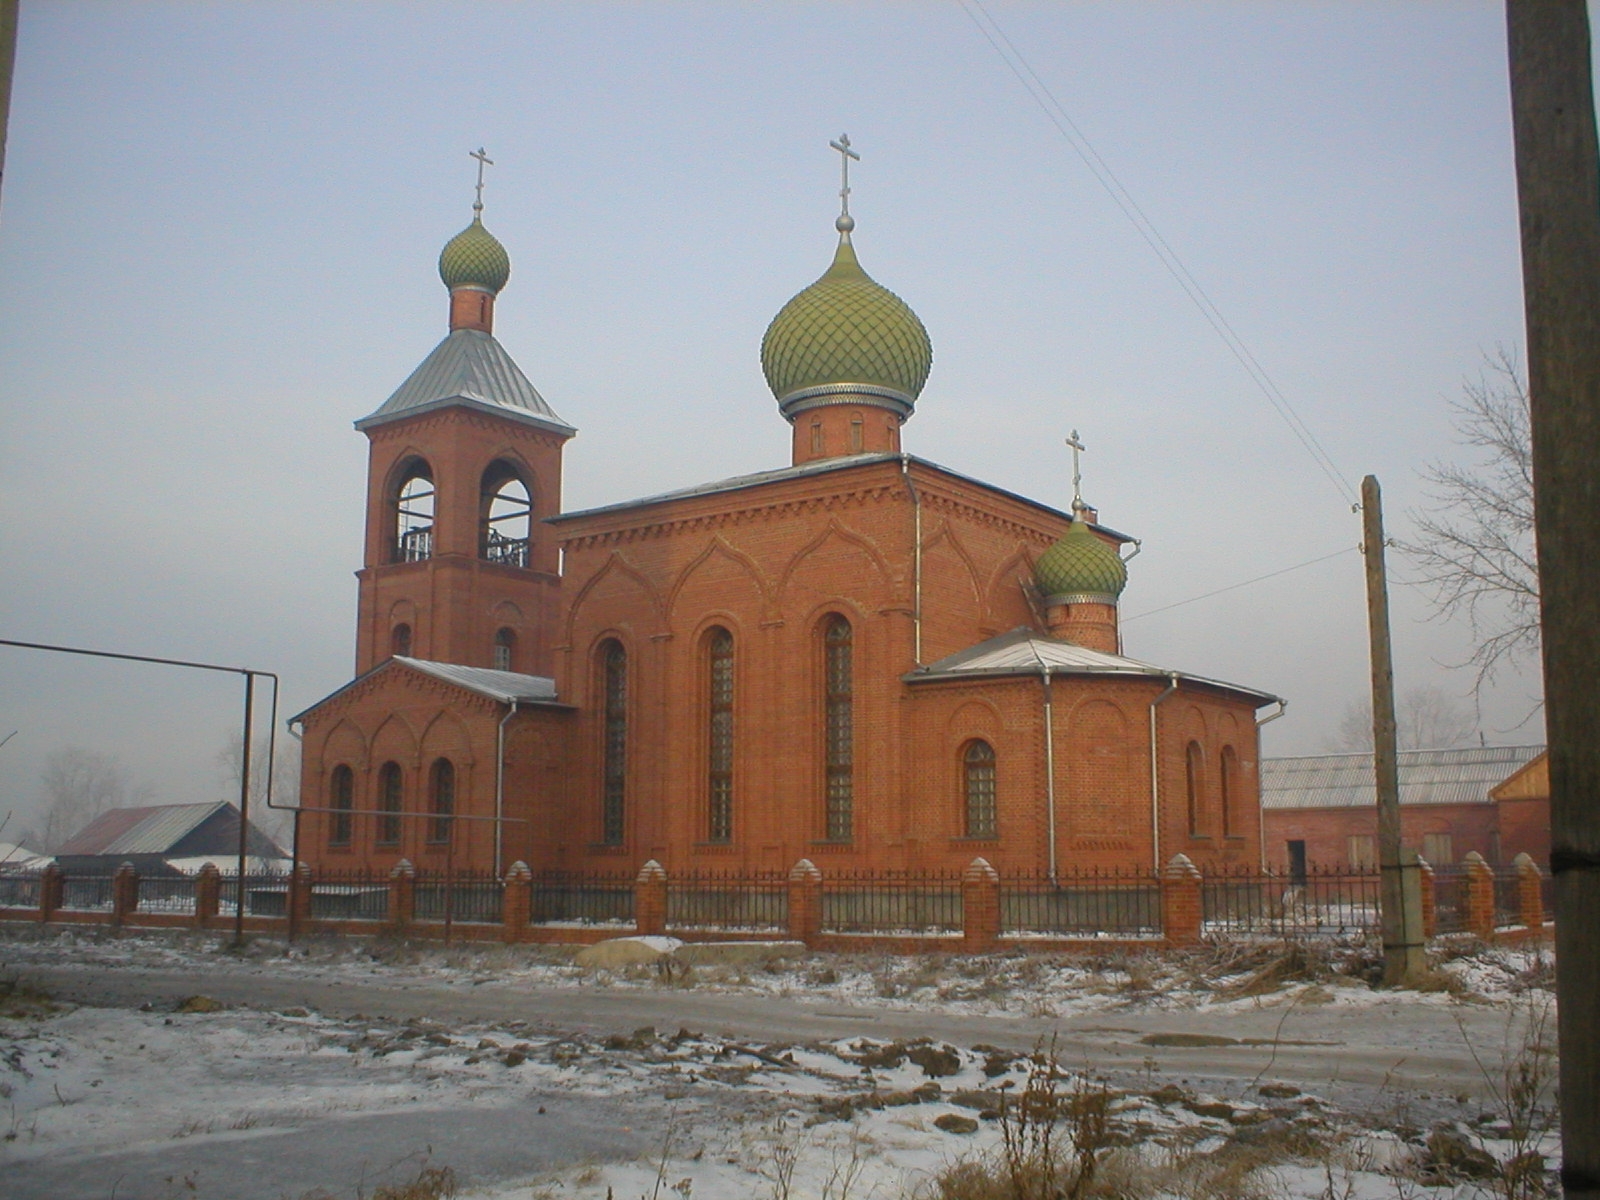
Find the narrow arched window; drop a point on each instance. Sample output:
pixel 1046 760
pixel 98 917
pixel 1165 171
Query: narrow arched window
pixel 719 749
pixel 400 641
pixel 978 776
pixel 839 728
pixel 507 517
pixel 389 795
pixel 1229 795
pixel 614 687
pixel 413 527
pixel 505 650
pixel 1193 766
pixel 441 799
pixel 341 799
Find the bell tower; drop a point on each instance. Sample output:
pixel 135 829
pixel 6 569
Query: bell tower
pixel 464 465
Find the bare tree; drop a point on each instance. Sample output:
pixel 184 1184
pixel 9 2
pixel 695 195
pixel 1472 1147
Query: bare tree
pixel 1473 545
pixel 77 785
pixel 1426 718
pixel 285 783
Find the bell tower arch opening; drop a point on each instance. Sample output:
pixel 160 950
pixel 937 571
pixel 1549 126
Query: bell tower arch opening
pixel 505 523
pixel 413 501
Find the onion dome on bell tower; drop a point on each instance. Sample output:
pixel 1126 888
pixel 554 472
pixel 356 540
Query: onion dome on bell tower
pixel 846 358
pixel 475 267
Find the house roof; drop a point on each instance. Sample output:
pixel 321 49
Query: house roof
pixel 19 858
pixel 506 687
pixel 469 368
pixel 153 830
pixel 821 466
pixel 1462 776
pixel 1024 652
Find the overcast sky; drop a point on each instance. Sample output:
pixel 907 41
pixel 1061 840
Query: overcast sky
pixel 220 225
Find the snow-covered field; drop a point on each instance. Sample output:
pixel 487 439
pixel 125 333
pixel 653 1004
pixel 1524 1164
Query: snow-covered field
pixel 111 1091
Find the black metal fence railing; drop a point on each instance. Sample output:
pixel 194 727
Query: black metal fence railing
pixel 1507 898
pixel 1081 905
pixel 265 895
pixel 350 896
pixel 737 903
pixel 908 904
pixel 473 898
pixel 562 898
pixel 1449 900
pixel 86 893
pixel 19 889
pixel 166 893
pixel 1323 903
pixel 507 552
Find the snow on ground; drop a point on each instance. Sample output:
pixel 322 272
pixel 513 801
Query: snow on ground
pixel 847 1118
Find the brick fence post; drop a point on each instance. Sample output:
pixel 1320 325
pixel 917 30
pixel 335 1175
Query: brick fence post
pixel 980 907
pixel 207 894
pixel 1430 898
pixel 124 893
pixel 298 901
pixel 650 900
pixel 52 892
pixel 402 895
pixel 516 901
pixel 1180 902
pixel 1480 895
pixel 1530 892
pixel 805 902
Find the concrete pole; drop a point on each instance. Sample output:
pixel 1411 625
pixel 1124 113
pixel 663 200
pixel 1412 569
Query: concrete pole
pixel 1558 194
pixel 1402 938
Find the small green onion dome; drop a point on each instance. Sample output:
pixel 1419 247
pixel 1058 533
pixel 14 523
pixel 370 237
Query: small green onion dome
pixel 846 334
pixel 1083 566
pixel 474 258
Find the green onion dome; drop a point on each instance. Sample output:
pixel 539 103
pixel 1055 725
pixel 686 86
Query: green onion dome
pixel 846 336
pixel 474 258
pixel 1081 568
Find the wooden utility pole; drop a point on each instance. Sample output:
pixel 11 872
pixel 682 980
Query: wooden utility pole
pixel 1400 896
pixel 1558 194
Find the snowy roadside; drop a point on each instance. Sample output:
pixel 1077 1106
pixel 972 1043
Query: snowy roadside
pixel 719 1119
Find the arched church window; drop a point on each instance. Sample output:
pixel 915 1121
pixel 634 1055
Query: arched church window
pixel 507 520
pixel 442 799
pixel 400 640
pixel 719 749
pixel 1193 768
pixel 341 799
pixel 839 728
pixel 413 529
pixel 614 687
pixel 389 795
pixel 1230 790
pixel 505 650
pixel 979 779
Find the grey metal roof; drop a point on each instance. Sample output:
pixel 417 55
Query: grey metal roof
pixel 1024 652
pixel 1461 776
pixel 505 686
pixel 469 368
pixel 152 830
pixel 819 466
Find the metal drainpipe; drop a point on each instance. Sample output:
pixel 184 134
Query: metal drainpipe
pixel 1050 769
pixel 1155 772
pixel 500 787
pixel 916 560
pixel 1261 812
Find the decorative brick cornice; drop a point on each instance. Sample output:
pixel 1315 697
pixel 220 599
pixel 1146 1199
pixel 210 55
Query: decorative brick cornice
pixel 748 514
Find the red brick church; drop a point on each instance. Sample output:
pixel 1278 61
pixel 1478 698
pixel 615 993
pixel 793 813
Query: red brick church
pixel 862 658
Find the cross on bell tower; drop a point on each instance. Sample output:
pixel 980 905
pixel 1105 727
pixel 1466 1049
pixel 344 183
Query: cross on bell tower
pixel 846 222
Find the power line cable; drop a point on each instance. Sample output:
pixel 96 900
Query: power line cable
pixel 1058 116
pixel 1233 587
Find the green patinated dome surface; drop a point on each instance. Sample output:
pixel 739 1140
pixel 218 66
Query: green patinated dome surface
pixel 474 258
pixel 845 328
pixel 1081 563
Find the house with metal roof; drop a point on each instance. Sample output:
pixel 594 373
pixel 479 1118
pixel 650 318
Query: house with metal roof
pixel 1322 809
pixel 158 838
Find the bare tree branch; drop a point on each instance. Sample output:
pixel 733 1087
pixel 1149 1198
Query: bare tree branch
pixel 1426 718
pixel 1473 546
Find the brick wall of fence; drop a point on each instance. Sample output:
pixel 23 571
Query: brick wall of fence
pixel 976 910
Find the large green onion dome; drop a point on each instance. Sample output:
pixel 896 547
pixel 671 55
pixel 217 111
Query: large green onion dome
pixel 846 336
pixel 475 258
pixel 1081 568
